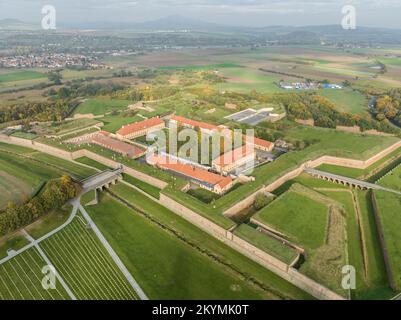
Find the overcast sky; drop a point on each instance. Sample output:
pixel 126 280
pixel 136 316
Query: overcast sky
pixel 383 13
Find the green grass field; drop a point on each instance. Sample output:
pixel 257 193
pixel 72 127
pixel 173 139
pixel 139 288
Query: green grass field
pixel 100 106
pixel 302 219
pixel 165 267
pixel 92 163
pixel 392 179
pixel 21 279
pixel 266 243
pixel 346 100
pixel 21 75
pixel 21 176
pixel 85 265
pixel 48 222
pixel 13 241
pixel 389 206
pixel 149 189
pixel 192 240
pixel 113 123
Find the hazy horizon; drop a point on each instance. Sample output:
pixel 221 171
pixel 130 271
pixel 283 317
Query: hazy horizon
pixel 245 13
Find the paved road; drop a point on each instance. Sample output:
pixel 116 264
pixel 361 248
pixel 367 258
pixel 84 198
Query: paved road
pixel 350 180
pixel 114 256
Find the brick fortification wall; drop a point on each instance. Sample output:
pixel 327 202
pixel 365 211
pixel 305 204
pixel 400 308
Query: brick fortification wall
pixel 250 251
pixel 379 228
pixel 81 153
pixel 344 162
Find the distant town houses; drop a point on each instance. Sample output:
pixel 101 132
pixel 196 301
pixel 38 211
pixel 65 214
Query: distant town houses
pixel 51 61
pixel 309 85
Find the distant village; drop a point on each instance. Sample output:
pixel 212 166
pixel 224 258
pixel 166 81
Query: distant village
pixel 51 61
pixel 309 85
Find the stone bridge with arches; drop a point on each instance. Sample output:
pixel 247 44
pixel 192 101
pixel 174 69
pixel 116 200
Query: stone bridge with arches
pixel 102 180
pixel 349 182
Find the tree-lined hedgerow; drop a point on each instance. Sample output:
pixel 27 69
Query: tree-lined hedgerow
pixel 54 195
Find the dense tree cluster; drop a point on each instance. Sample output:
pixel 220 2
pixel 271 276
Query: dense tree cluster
pixel 54 195
pixel 388 106
pixel 38 111
pixel 79 89
pixel 324 113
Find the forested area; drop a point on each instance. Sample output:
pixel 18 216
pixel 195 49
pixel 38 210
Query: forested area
pixel 388 106
pixel 323 112
pixel 37 111
pixel 54 195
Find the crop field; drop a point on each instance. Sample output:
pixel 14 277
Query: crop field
pixel 21 279
pixel 101 106
pixel 22 75
pixel 85 265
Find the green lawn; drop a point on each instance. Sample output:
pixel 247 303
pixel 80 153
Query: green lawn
pixel 92 163
pixel 269 244
pixel 48 222
pixel 14 241
pixel 226 259
pixel 377 286
pixel 113 123
pixel 98 106
pixel 346 100
pixel 165 267
pixel 149 189
pixel 389 206
pixel 20 75
pixel 301 218
pixel 392 179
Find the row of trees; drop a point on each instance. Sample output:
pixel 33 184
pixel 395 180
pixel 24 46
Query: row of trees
pixel 54 195
pixel 79 89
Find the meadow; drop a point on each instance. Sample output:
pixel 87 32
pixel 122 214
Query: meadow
pixel 217 257
pixel 21 75
pixel 392 179
pixel 302 219
pixel 267 243
pixel 389 208
pixel 24 171
pixel 99 106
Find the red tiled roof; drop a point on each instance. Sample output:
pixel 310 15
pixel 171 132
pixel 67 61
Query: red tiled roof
pixel 259 142
pixel 189 171
pixel 103 138
pixel 137 126
pixel 233 156
pixel 194 123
